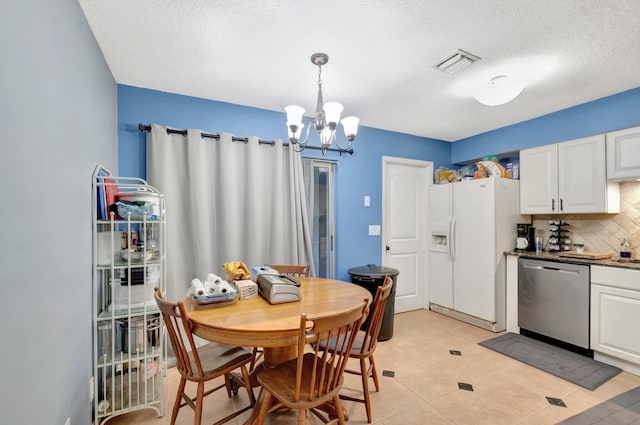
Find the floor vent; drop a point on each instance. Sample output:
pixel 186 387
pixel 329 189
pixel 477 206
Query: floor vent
pixel 455 61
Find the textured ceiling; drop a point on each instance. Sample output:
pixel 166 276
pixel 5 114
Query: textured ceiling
pixel 256 53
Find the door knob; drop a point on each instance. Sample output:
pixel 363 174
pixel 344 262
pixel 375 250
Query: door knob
pixel 387 248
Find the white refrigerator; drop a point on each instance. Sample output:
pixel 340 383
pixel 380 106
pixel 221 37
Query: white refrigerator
pixel 471 224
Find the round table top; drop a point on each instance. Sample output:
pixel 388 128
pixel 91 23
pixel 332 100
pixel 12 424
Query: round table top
pixel 256 323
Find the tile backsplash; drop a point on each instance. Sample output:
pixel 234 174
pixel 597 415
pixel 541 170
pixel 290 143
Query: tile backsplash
pixel 602 232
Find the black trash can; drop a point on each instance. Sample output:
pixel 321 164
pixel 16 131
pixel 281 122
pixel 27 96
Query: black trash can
pixel 371 277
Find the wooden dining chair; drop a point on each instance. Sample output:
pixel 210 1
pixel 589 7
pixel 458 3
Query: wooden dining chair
pixel 293 270
pixel 203 363
pixel 365 345
pixel 315 377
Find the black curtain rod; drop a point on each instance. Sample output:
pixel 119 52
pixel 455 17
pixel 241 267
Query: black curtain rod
pixel 147 128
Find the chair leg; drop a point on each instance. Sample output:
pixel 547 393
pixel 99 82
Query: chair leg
pixel 365 387
pixel 302 417
pixel 247 385
pixel 374 373
pixel 227 383
pixel 264 403
pixel 199 402
pixel 176 405
pixel 257 353
pixel 338 406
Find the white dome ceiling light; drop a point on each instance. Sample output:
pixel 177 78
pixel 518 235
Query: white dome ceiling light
pixel 499 90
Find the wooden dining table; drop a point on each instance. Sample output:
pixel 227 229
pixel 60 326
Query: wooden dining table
pixel 256 323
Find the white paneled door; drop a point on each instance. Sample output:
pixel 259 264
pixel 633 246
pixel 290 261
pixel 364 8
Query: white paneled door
pixel 404 224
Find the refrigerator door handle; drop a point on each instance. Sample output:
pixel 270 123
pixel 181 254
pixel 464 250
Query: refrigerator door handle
pixel 452 239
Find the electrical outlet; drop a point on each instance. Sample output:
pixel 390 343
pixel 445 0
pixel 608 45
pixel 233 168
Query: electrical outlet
pixel 68 421
pixel 374 229
pixel 91 389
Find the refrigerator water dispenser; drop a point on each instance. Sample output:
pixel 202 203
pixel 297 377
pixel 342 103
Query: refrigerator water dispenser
pixel 439 238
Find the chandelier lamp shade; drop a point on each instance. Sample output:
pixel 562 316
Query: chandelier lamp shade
pixel 326 118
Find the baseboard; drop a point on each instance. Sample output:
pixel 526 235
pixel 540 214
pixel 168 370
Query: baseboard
pixel 467 318
pixel 614 361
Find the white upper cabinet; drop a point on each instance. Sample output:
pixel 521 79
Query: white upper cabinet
pixel 582 177
pixel 567 178
pixel 623 154
pixel 539 180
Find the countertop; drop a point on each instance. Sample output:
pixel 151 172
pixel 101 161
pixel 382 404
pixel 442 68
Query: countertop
pixel 549 256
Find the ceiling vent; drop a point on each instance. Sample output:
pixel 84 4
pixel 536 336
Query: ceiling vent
pixel 455 61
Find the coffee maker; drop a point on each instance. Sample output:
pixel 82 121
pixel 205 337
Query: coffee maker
pixel 523 242
pixel 532 239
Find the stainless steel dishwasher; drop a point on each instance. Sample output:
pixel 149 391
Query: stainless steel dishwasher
pixel 553 302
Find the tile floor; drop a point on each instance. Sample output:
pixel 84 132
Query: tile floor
pixel 432 385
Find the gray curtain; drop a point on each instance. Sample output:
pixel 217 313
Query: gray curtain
pixel 309 189
pixel 227 200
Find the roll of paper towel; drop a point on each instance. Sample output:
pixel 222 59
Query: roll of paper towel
pixel 225 287
pixel 197 287
pixel 214 279
pixel 213 284
pixel 210 288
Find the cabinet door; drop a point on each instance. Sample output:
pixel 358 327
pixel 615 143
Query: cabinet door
pixel 582 176
pixel 623 154
pixel 614 316
pixel 539 180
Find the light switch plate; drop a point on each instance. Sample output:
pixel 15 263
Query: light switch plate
pixel 367 201
pixel 374 229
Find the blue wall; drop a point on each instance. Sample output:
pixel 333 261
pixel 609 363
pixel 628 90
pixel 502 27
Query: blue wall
pixel 610 113
pixel 357 175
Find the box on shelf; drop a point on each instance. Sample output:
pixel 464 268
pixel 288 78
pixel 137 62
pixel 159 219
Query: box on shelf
pixel 137 295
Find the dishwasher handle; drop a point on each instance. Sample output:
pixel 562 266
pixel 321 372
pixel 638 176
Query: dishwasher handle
pixel 554 269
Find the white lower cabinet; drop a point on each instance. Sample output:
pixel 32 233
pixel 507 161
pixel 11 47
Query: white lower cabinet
pixel 615 314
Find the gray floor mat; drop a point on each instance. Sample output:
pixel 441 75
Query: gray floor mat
pixel 623 409
pixel 575 368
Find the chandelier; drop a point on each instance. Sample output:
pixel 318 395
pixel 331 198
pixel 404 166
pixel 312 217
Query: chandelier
pixel 325 121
